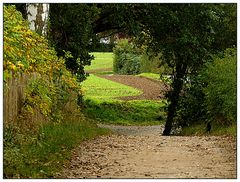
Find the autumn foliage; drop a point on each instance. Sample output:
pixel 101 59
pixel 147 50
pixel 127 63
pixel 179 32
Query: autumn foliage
pixel 26 52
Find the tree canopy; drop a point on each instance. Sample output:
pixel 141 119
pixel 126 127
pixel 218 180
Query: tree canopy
pixel 186 34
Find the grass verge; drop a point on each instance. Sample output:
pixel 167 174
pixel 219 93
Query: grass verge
pixel 42 154
pixel 200 129
pixel 138 112
pixel 101 104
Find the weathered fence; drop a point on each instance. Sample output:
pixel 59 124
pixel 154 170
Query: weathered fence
pixel 13 98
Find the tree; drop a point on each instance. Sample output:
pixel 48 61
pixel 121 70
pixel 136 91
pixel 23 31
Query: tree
pixel 184 34
pixel 226 27
pixel 71 30
pixel 37 15
pixel 74 28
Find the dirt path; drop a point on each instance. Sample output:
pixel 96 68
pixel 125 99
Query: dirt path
pixel 152 90
pixel 141 152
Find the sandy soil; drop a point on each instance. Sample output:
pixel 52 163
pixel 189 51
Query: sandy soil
pixel 141 152
pixel 152 90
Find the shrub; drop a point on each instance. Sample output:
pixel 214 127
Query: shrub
pixel 24 50
pixel 31 151
pixel 192 106
pixel 211 94
pixel 126 58
pixel 27 52
pixel 221 91
pixel 153 64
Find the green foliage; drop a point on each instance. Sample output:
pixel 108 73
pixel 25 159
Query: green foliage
pixel 33 149
pixel 24 50
pixel 71 30
pixel 226 28
pixel 185 35
pixel 42 154
pixel 38 94
pixel 103 89
pixel 142 112
pixel 154 64
pixel 27 52
pixel 192 106
pixel 126 58
pixel 221 91
pixel 211 95
pixel 102 61
pixel 199 129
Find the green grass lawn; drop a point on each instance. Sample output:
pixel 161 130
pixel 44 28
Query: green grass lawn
pixel 153 76
pixel 95 87
pixel 102 105
pixel 103 60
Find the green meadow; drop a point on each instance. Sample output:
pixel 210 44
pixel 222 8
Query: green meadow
pixel 102 60
pixel 102 102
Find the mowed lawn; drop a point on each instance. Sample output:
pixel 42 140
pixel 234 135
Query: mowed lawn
pixel 95 87
pixel 102 60
pixel 102 104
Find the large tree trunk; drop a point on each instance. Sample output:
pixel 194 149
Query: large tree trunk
pixel 174 97
pixel 37 15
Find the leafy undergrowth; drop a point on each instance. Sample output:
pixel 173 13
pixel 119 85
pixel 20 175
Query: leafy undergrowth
pixel 99 88
pixel 102 60
pixel 216 129
pixel 137 112
pixel 42 154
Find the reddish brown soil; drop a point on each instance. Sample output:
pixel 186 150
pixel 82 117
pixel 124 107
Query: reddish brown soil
pixel 152 90
pixel 98 70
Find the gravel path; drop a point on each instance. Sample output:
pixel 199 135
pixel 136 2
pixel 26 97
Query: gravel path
pixel 134 130
pixel 141 152
pixel 152 90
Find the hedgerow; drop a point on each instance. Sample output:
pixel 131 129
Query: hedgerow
pixel 221 90
pixel 126 58
pixel 212 93
pixel 50 87
pixel 27 52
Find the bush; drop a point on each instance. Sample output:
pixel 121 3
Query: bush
pixel 211 95
pixel 153 64
pixel 39 150
pixel 221 91
pixel 27 52
pixel 126 58
pixel 192 107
